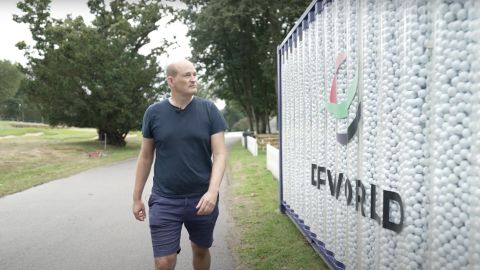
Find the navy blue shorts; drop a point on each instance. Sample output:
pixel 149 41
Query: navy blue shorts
pixel 166 217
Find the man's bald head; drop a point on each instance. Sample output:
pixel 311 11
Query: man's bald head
pixel 172 68
pixel 182 77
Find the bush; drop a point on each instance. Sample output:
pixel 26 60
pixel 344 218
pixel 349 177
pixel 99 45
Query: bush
pixel 241 125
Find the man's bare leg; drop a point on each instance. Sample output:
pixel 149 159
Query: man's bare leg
pixel 201 257
pixel 166 262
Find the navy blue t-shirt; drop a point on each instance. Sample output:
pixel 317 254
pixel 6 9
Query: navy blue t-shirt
pixel 182 145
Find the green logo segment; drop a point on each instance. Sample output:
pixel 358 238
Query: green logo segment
pixel 340 110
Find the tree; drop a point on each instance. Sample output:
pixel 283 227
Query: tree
pixel 232 114
pixel 93 75
pixel 235 42
pixel 10 79
pixel 20 107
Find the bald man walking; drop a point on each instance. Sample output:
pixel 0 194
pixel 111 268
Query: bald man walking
pixel 182 133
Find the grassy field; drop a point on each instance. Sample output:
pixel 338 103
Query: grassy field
pixel 267 238
pixel 33 154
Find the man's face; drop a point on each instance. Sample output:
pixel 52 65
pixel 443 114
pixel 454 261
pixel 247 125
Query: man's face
pixel 185 81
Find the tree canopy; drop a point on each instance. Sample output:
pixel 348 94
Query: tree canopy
pixel 92 75
pixel 235 42
pixel 10 78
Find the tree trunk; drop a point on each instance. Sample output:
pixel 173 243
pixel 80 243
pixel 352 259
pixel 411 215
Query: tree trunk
pixel 250 118
pixel 101 134
pixel 267 118
pixel 115 138
pixel 250 123
pixel 260 123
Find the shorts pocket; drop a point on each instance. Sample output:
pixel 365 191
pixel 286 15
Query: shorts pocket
pixel 214 214
pixel 150 200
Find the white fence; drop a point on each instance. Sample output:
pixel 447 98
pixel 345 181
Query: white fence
pixel 252 145
pixel 380 132
pixel 272 160
pixel 272 155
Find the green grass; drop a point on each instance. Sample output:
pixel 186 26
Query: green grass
pixel 9 128
pixel 267 238
pixel 27 161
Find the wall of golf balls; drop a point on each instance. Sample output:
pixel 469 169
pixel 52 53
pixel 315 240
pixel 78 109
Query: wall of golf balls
pixel 413 130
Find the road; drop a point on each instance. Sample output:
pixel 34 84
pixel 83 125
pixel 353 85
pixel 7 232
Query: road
pixel 85 222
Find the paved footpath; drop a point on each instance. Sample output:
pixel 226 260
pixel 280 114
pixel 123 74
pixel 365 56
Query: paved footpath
pixel 85 222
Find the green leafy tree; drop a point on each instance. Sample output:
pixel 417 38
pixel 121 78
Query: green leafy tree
pixel 235 42
pixel 233 114
pixel 10 79
pixel 20 107
pixel 93 75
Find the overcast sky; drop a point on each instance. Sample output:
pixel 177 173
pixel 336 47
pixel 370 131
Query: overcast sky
pixel 12 32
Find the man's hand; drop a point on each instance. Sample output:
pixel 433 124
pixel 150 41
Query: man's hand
pixel 139 210
pixel 207 203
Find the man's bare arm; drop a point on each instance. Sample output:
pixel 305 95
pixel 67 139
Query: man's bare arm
pixel 209 200
pixel 144 164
